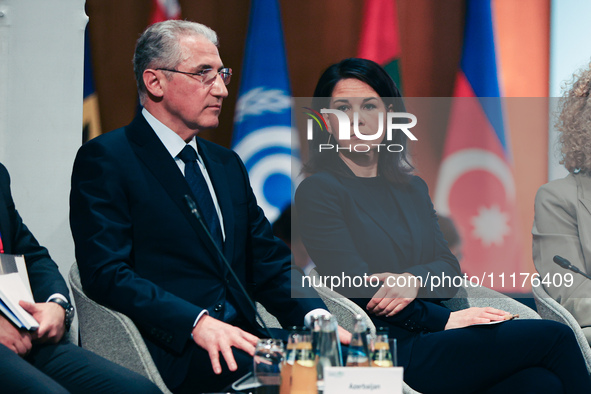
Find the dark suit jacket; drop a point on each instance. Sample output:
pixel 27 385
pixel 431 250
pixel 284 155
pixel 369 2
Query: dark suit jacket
pixel 44 275
pixel 141 252
pixel 356 226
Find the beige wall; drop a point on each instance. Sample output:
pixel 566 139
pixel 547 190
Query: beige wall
pixel 41 57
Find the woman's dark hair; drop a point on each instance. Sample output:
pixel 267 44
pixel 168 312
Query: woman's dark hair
pixel 393 166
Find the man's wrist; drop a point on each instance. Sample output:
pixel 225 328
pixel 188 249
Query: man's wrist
pixel 57 295
pixel 203 313
pixel 68 308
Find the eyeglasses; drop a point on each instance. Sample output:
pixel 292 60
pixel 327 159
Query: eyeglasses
pixel 207 76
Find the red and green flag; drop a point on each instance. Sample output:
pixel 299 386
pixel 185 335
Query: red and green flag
pixel 380 40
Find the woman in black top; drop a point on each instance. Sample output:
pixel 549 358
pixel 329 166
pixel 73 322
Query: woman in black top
pixel 364 216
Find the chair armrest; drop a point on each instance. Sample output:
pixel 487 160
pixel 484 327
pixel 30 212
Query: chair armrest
pixel 550 309
pixel 469 296
pixel 112 335
pixel 270 320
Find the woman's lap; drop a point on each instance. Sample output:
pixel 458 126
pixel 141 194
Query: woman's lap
pixel 477 358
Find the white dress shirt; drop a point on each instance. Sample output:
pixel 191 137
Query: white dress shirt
pixel 174 144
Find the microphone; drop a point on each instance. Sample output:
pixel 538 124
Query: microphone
pixel 195 212
pixel 564 263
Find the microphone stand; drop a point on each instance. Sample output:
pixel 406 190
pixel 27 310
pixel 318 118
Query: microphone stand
pixel 195 212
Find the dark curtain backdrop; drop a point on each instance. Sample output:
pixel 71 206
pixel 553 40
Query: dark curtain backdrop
pixel 317 34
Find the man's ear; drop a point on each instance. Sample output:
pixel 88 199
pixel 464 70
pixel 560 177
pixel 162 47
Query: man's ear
pixel 390 108
pixel 153 80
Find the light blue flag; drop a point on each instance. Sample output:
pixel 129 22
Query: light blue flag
pixel 262 124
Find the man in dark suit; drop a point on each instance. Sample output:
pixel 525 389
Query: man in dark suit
pixel 139 248
pixel 42 361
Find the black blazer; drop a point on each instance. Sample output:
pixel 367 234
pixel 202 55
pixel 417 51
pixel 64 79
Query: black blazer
pixel 361 226
pixel 44 276
pixel 141 252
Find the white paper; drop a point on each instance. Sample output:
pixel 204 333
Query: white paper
pixel 13 290
pixel 491 322
pixel 21 266
pixel 361 380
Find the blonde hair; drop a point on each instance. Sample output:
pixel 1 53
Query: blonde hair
pixel 574 123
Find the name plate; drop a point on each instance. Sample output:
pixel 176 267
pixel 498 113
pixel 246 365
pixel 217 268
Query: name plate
pixel 341 380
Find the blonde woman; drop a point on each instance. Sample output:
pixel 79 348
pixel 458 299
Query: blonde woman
pixel 562 224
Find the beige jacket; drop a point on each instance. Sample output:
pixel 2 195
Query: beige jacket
pixel 562 226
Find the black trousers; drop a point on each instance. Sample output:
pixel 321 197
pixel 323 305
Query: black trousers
pixel 520 356
pixel 66 368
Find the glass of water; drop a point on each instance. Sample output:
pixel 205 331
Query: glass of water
pixel 268 357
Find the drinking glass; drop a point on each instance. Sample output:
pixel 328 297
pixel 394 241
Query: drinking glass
pixel 304 375
pixel 382 352
pixel 268 357
pixel 290 353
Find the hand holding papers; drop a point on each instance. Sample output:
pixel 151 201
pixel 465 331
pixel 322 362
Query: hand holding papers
pixel 14 287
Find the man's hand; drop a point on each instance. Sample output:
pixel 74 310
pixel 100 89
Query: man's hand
pixel 51 318
pixel 19 341
pixel 388 301
pixel 474 315
pixel 344 336
pixel 215 336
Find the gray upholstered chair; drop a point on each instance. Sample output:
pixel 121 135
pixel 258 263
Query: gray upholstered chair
pixel 470 296
pixel 115 337
pixel 72 336
pixel 550 309
pixel 112 335
pixel 343 309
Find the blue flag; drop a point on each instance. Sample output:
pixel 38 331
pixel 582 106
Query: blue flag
pixel 262 124
pixel 91 122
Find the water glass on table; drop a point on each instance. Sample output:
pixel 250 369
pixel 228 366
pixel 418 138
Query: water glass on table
pixel 268 357
pixel 304 374
pixel 384 350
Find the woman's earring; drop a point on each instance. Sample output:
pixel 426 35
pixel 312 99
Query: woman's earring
pixel 329 137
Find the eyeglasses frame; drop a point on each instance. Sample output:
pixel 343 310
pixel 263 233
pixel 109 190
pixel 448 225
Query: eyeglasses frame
pixel 225 70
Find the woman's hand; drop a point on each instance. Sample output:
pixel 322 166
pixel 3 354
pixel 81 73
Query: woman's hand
pixel 474 315
pixel 397 291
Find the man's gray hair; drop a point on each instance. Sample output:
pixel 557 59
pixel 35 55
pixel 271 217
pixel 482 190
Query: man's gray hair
pixel 158 47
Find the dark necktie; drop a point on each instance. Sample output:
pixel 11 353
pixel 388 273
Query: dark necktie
pixel 201 192
pixel 198 186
